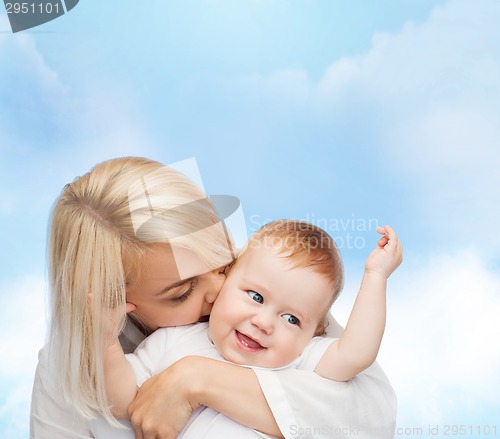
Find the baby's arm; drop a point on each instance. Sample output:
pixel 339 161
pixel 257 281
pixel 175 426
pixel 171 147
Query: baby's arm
pixel 119 378
pixel 358 345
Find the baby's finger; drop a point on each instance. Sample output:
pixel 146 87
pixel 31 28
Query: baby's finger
pixel 382 242
pixel 391 234
pixel 399 249
pixel 393 241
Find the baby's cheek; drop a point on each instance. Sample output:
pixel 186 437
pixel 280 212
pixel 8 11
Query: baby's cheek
pixel 293 350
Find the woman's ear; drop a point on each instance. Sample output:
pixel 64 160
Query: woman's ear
pixel 130 307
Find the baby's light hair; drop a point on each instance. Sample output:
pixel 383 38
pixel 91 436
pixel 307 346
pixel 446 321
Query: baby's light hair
pixel 94 249
pixel 303 244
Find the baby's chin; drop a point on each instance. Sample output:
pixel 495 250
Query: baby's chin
pixel 276 363
pixel 258 361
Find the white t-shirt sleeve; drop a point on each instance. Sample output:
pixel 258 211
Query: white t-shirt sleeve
pixel 146 358
pixel 313 352
pixel 307 405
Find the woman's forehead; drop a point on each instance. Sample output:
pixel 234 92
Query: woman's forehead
pixel 166 263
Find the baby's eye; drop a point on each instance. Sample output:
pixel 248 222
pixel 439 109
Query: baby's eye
pixel 290 318
pixel 256 296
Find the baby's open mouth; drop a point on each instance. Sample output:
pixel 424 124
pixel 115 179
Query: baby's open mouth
pixel 247 343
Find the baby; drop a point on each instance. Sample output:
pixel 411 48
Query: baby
pixel 271 311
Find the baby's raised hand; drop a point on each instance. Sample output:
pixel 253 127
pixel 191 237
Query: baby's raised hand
pixel 387 255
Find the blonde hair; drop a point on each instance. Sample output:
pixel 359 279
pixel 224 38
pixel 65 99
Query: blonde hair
pixel 94 246
pixel 304 245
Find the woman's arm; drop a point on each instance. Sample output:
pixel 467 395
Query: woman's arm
pixel 298 401
pixel 165 401
pixel 223 387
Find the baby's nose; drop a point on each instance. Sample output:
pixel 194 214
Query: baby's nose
pixel 264 321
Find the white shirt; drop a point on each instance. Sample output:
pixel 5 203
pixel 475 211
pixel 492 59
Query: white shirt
pixel 167 345
pixel 304 406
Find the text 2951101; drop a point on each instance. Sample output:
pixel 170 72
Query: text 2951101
pixel 32 8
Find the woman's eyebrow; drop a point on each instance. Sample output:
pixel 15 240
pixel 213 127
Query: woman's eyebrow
pixel 174 285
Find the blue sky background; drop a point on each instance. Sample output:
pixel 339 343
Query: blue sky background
pixel 345 113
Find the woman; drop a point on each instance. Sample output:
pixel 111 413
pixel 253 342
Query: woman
pixel 133 231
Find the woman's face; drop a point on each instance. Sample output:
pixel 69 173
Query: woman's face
pixel 162 298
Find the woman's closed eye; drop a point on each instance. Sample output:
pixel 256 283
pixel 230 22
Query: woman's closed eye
pixel 256 296
pixel 185 295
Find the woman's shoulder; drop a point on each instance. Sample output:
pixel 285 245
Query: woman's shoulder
pixel 168 338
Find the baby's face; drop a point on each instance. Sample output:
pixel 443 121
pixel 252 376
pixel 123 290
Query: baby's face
pixel 267 312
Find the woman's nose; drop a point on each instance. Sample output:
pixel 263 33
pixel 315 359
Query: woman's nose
pixel 206 309
pixel 214 281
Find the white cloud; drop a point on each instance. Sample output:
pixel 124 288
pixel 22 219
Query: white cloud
pixel 440 349
pixel 14 411
pixel 33 96
pixel 22 325
pixel 443 335
pixel 19 56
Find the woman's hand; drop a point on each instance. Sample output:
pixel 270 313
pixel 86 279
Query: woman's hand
pixel 163 404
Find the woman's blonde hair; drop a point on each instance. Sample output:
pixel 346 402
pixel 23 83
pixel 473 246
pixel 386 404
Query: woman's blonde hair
pixel 101 226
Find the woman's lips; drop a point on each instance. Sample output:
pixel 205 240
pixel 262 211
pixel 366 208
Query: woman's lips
pixel 247 343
